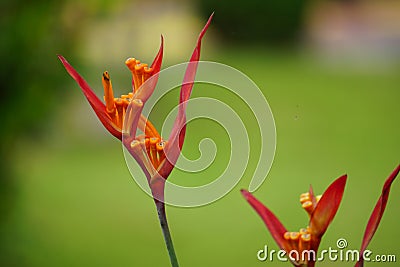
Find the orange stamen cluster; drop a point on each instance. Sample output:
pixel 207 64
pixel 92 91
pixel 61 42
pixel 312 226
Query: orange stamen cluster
pixel 308 203
pixel 140 72
pixel 300 241
pixel 149 147
pixel 116 107
pixel 151 152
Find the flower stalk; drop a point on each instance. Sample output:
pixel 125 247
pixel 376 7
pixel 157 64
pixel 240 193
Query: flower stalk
pixel 162 216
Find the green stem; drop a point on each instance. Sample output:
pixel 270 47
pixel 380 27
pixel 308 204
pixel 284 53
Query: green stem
pixel 167 235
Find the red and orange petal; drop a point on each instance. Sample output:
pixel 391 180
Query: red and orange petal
pixel 326 209
pixel 97 105
pixel 377 214
pixel 177 135
pixel 273 224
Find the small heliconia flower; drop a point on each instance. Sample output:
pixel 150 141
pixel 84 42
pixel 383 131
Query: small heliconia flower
pixel 321 210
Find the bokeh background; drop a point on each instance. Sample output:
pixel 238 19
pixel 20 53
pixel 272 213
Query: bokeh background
pixel 329 69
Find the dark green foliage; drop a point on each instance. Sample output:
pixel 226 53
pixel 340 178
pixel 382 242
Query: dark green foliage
pixel 255 21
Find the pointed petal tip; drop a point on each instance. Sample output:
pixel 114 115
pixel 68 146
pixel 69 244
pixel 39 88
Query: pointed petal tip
pixel 97 105
pixel 396 171
pixel 340 182
pixel 62 59
pixel 177 134
pixel 327 206
pixel 390 179
pixel 343 178
pixel 203 31
pixel 211 16
pixel 156 65
pixel 377 213
pixel 245 193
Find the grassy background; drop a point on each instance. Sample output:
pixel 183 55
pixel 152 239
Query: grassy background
pixel 78 206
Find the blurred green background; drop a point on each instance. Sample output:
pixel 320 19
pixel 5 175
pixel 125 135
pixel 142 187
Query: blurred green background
pixel 329 69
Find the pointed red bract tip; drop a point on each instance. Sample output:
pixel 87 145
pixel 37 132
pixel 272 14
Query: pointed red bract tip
pixel 377 214
pixel 312 197
pixel 97 105
pixel 273 224
pixel 148 87
pixel 327 207
pixel 190 74
pixel 177 135
pixel 156 65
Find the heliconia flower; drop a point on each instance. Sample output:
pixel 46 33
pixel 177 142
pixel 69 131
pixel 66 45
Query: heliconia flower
pixel 123 116
pixel 321 210
pixel 377 214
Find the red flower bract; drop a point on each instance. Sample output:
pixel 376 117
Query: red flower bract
pixel 377 214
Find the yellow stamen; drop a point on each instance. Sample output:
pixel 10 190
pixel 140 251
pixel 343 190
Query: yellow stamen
pixel 294 236
pixel 120 111
pixel 108 93
pixel 138 103
pixel 160 149
pixel 140 72
pixel 301 241
pixel 153 151
pixel 294 240
pixel 298 241
pixel 147 73
pixel 138 148
pixel 303 231
pixel 139 69
pixel 308 206
pixel 131 62
pixel 304 245
pixel 289 244
pixel 304 197
pixel 147 145
pixel 307 195
pixel 286 236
